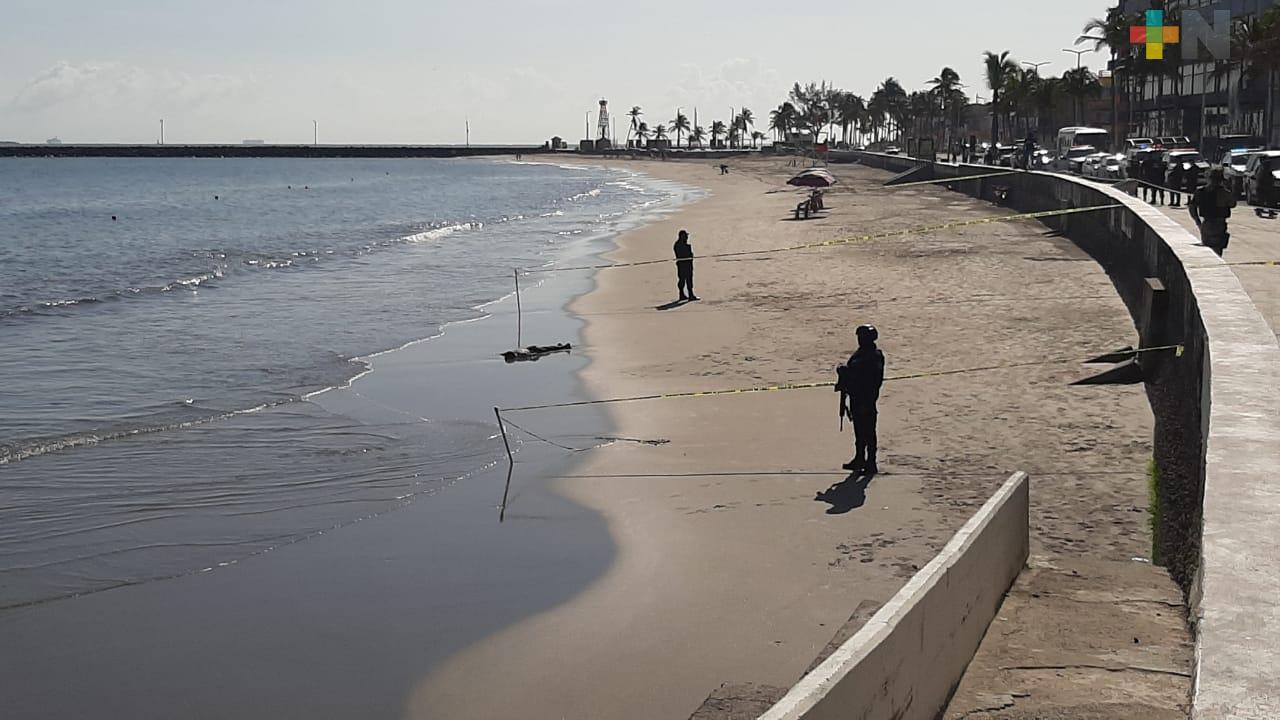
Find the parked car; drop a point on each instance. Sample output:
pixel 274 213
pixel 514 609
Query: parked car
pixel 1008 155
pixel 1136 144
pixel 1217 148
pixel 1251 189
pixel 1233 169
pixel 1188 159
pixel 892 150
pixel 1074 157
pixel 1041 160
pixel 1090 164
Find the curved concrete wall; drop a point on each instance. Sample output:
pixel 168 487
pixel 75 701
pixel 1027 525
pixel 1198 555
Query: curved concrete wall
pixel 905 663
pixel 1217 412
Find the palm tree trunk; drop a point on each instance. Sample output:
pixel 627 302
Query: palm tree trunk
pixel 995 116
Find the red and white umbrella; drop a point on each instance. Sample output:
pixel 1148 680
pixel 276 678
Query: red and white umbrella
pixel 813 178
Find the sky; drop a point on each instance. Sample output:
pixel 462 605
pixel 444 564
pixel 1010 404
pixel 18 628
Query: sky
pixel 520 71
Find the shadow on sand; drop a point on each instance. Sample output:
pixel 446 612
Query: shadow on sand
pixel 846 495
pixel 672 305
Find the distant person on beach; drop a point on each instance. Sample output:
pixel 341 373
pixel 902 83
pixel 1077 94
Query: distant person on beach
pixel 858 382
pixel 1210 207
pixel 684 266
pixel 724 169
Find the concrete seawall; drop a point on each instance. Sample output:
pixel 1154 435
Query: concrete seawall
pixel 907 660
pixel 1217 419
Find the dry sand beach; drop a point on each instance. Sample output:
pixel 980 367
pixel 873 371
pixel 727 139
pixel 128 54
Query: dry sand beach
pixel 728 570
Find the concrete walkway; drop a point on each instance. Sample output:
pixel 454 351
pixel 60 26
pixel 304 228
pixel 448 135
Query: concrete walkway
pixel 1253 240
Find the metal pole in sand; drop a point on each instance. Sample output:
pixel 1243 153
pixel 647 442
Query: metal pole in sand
pixel 505 443
pixel 511 465
pixel 515 272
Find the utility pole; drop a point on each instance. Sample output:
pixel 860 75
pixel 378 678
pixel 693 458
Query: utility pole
pixel 161 131
pixel 315 132
pixel 468 125
pixel 587 134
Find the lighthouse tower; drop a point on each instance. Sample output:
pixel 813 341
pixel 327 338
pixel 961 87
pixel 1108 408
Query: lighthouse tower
pixel 602 136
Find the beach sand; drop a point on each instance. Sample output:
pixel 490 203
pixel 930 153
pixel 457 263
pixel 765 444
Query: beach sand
pixel 727 568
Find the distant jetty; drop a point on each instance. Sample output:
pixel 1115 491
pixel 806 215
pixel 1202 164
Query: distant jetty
pixel 266 151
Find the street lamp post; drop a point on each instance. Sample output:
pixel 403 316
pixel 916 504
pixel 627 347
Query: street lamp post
pixel 1080 100
pixel 1036 65
pixel 1078 53
pixel 315 132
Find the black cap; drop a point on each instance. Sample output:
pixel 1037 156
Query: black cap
pixel 869 332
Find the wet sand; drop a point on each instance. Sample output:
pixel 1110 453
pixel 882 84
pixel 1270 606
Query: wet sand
pixel 345 624
pixel 728 570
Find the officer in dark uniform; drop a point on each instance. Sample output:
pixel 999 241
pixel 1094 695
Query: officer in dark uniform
pixel 1210 207
pixel 1153 173
pixel 684 266
pixel 1174 178
pixel 859 386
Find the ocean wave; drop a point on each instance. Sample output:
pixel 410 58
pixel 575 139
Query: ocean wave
pixel 594 192
pixel 24 449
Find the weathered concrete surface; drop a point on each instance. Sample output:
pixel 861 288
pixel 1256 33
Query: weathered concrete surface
pixel 1254 242
pixel 1085 639
pixel 1217 441
pixel 906 661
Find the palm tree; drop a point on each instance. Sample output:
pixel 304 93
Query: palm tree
pixel 999 69
pixel 717 129
pixel 1080 83
pixel 1258 41
pixel 1045 99
pixel 947 87
pixel 642 132
pixel 891 101
pixel 748 120
pixel 738 129
pixel 634 113
pixel 679 126
pixel 756 136
pixel 1112 32
pixel 782 119
pixel 697 134
pixel 660 132
pixel 849 111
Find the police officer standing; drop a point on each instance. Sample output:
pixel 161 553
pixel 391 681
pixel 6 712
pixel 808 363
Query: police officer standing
pixel 684 266
pixel 859 386
pixel 1210 207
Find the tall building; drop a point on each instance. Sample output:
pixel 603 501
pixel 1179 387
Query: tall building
pixel 1191 91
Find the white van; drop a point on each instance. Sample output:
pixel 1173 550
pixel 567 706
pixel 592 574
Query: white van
pixel 1077 138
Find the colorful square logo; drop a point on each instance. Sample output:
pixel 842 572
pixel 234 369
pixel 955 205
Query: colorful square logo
pixel 1155 34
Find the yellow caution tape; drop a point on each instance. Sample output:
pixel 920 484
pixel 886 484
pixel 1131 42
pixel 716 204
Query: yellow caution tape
pixel 942 181
pixel 849 240
pixel 813 385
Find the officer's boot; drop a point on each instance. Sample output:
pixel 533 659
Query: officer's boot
pixel 855 465
pixel 870 468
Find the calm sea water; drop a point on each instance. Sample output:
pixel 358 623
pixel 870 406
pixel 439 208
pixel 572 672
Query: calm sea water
pixel 152 366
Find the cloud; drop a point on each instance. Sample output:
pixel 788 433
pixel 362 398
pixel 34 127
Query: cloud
pixel 91 86
pixel 733 82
